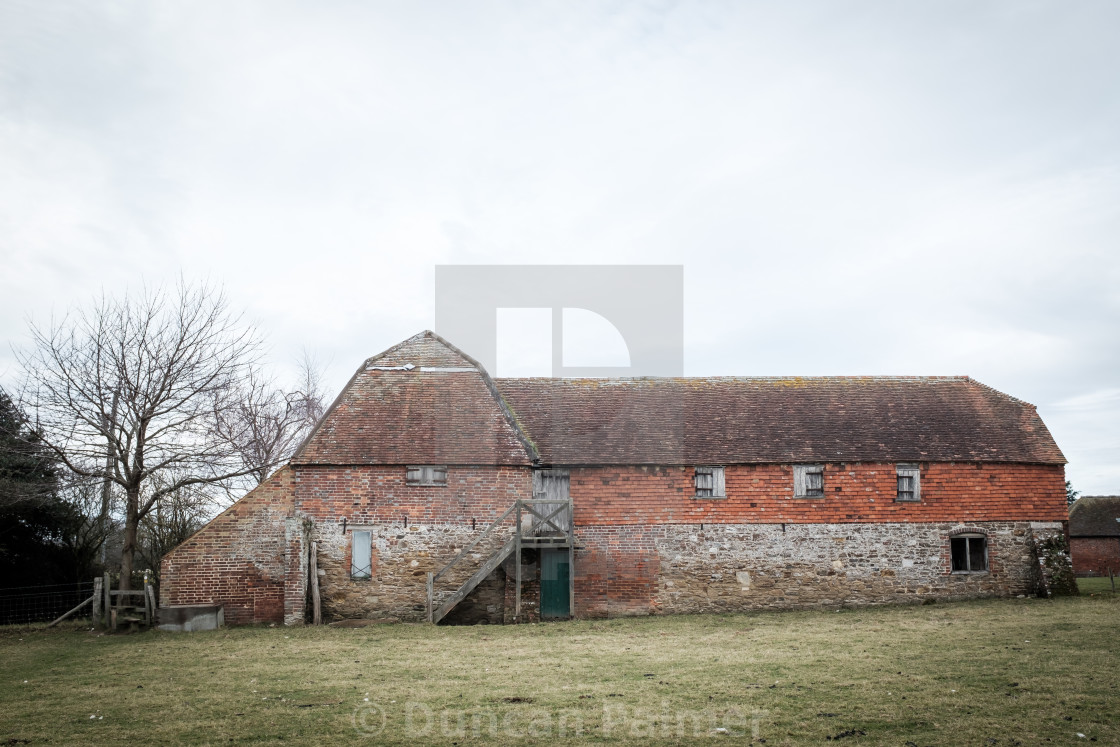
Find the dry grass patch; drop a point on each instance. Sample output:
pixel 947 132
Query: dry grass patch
pixel 1012 671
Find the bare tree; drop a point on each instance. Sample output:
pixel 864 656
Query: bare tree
pixel 131 390
pixel 91 525
pixel 267 423
pixel 174 517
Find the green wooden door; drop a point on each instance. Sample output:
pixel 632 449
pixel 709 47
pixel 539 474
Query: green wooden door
pixel 556 574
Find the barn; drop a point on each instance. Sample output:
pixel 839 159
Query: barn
pixel 431 491
pixel 1094 535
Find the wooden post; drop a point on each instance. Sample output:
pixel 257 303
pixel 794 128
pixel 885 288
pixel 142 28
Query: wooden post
pixel 316 612
pixel 430 576
pixel 106 587
pixel 571 581
pixel 147 604
pixel 571 561
pixel 97 602
pixel 517 565
pixel 154 605
pixel 1112 580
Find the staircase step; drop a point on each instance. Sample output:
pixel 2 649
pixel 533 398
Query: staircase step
pixel 487 568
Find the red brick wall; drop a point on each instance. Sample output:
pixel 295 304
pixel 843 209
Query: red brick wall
pixel 1095 554
pixel 379 494
pixel 853 493
pixel 616 571
pixel 238 560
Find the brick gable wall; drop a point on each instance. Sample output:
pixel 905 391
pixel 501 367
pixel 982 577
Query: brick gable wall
pixel 239 560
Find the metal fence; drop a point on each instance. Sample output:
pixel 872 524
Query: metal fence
pixel 35 604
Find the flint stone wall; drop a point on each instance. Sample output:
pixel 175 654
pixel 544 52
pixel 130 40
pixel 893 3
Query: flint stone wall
pixel 402 558
pixel 674 569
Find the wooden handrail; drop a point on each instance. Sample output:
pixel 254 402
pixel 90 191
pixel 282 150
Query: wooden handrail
pixel 526 504
pixel 462 553
pixel 547 520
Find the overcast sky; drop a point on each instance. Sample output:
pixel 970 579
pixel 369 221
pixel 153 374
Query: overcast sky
pixel 852 187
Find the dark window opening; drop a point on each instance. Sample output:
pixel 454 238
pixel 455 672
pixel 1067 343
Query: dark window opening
pixel 970 554
pixel 814 484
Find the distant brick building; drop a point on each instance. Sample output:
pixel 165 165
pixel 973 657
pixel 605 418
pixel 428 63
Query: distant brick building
pixel 604 497
pixel 1094 534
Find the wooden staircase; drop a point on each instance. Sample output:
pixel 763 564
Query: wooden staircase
pixel 537 523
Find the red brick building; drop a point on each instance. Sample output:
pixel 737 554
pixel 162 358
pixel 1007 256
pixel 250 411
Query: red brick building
pixel 604 497
pixel 1094 535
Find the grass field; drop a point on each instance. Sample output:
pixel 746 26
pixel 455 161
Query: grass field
pixel 1095 585
pixel 1004 672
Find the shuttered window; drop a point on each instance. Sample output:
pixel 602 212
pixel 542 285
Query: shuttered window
pixel 426 475
pixel 361 563
pixel 909 482
pixel 808 480
pixel 709 482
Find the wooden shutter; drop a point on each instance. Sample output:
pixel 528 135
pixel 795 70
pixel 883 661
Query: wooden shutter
pixel 718 485
pixel 703 481
pixel 912 472
pixel 414 475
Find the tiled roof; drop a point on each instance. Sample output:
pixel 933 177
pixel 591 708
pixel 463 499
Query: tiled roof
pixel 420 402
pixel 1095 516
pixel 776 420
pixel 424 401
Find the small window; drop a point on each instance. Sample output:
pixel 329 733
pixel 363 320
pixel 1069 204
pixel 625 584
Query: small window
pixel 709 482
pixel 427 475
pixel 909 482
pixel 970 553
pixel 808 481
pixel 361 555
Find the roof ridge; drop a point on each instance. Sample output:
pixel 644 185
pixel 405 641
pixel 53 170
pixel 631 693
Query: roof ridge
pixel 846 377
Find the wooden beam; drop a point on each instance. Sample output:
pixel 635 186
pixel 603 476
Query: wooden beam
pixel 71 612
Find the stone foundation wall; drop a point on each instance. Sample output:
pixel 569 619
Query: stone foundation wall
pixel 402 558
pixel 675 569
